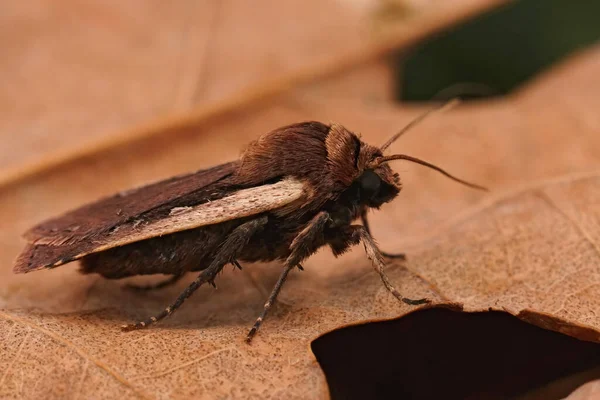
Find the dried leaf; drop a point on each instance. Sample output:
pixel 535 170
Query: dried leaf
pixel 478 262
pixel 531 248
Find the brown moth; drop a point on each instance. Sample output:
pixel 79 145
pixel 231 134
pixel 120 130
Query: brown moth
pixel 293 190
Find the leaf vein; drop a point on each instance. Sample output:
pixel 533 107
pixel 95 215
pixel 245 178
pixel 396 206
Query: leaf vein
pixel 79 351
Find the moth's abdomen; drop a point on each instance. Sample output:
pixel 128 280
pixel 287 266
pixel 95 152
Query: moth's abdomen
pixel 170 254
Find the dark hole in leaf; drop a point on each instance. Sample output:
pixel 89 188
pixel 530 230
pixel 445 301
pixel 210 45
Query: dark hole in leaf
pixel 493 53
pixel 442 354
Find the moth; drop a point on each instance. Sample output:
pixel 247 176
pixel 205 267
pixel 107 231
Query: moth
pixel 293 191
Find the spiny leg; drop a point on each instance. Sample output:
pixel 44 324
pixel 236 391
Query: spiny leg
pixel 270 301
pixel 229 249
pixel 376 258
pixel 365 222
pixel 307 241
pixel 201 279
pixel 160 285
pixel 259 287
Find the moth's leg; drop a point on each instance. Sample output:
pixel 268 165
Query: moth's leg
pixel 259 287
pixel 231 246
pixel 272 297
pixel 365 222
pixel 307 241
pixel 167 282
pixel 376 257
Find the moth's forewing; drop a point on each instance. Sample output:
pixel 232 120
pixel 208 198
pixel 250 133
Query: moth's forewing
pixel 240 204
pixel 91 219
pixel 57 248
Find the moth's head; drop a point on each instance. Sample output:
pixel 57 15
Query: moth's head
pixel 354 164
pixel 364 169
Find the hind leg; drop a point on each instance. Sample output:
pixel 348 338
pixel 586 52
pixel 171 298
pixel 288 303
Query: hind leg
pixel 230 248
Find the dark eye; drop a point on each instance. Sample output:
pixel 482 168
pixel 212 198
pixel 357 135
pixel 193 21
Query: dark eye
pixel 370 183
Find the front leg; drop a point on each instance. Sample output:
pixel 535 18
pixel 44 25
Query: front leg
pixel 365 222
pixel 311 238
pixel 360 233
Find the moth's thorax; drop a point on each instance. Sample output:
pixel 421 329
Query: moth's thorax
pixel 297 150
pixel 330 159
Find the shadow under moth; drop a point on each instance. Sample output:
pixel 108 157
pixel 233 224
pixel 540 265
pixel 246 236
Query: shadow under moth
pixel 294 190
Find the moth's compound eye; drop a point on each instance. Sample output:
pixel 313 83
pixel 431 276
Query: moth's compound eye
pixel 370 183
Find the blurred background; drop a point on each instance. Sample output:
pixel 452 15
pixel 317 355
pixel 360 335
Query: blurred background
pixel 496 52
pixel 97 97
pixel 82 75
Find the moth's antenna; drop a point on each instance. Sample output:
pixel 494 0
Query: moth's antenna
pixel 444 106
pixel 384 159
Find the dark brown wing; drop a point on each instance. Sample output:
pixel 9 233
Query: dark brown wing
pixel 109 212
pixel 62 235
pixel 236 204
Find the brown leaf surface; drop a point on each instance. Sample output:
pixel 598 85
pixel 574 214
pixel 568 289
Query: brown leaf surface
pixel 80 72
pixel 531 248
